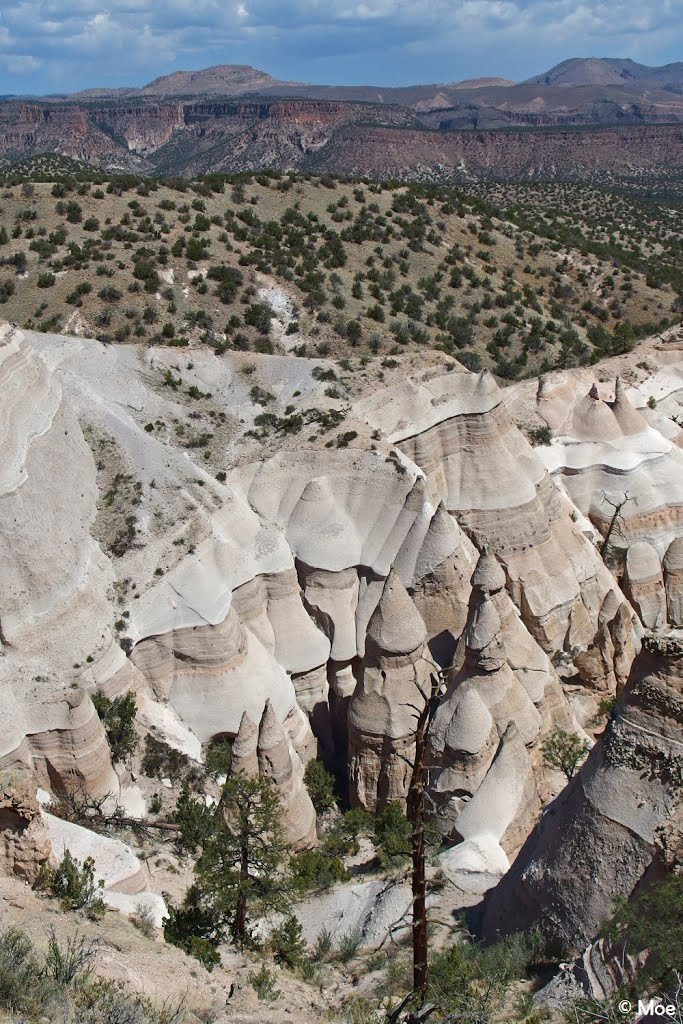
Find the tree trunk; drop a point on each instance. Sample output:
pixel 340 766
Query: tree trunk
pixel 239 930
pixel 420 951
pixel 416 814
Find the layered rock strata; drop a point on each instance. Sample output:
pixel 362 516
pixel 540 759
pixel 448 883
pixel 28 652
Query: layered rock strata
pixel 501 699
pixel 324 583
pixel 614 825
pixel 24 842
pixel 266 751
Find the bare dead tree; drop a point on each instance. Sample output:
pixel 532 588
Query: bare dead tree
pixel 83 808
pixel 617 517
pixel 416 816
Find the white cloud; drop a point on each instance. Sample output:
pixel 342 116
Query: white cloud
pixel 20 63
pixel 130 41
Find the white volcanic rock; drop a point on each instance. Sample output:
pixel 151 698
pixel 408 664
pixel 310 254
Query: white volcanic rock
pixel 455 426
pixel 673 577
pixel 212 674
pixel 117 869
pixel 278 762
pixel 115 863
pixel 266 751
pixel 393 682
pixel 371 911
pixel 318 583
pixel 645 584
pixel 53 601
pixel 503 696
pixel 244 754
pixel 475 865
pixel 616 822
pixel 612 447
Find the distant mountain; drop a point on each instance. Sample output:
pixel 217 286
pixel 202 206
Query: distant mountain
pixel 224 80
pixel 601 71
pixel 236 117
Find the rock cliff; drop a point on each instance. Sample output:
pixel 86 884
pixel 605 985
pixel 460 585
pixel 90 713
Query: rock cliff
pixel 311 589
pixel 613 827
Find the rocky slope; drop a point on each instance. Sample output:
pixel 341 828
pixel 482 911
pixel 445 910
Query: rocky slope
pixel 301 600
pixel 329 582
pixel 232 118
pixel 623 809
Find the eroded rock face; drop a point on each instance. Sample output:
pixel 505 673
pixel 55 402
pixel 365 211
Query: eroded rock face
pixel 673 578
pixel 645 584
pixel 53 602
pixel 393 681
pixel 24 842
pixel 321 583
pixel 266 751
pixel 619 460
pixel 457 429
pixel 614 823
pixel 503 696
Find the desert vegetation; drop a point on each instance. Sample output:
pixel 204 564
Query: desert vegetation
pixel 519 279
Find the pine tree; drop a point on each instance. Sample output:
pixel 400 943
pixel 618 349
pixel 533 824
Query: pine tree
pixel 240 872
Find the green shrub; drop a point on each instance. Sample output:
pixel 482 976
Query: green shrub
pixel 288 944
pixel 118 718
pixel 349 944
pixel 323 946
pixel 472 980
pixel 74 885
pixel 653 920
pixel 316 869
pixel 320 786
pixel 23 986
pixel 540 436
pixel 218 753
pixel 564 752
pixel 194 818
pixel 63 963
pixel 195 928
pixel 393 835
pixel 7 289
pixel 46 280
pixel 259 315
pixel 263 984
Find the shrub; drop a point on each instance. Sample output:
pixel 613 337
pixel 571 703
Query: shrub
pixel 194 928
pixel 143 919
pixel 64 963
pixel 564 752
pixel 320 786
pixel 348 946
pixel 316 869
pixel 23 987
pixel 118 718
pixel 194 818
pixel 323 946
pixel 471 980
pixel 218 754
pixel 653 920
pixel 259 315
pixel 393 834
pixel 74 885
pixel 288 944
pixel 7 289
pixel 263 984
pixel 540 436
pixel 356 822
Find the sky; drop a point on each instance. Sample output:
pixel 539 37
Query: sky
pixel 54 46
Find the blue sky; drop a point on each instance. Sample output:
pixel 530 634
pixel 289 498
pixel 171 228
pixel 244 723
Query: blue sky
pixel 64 45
